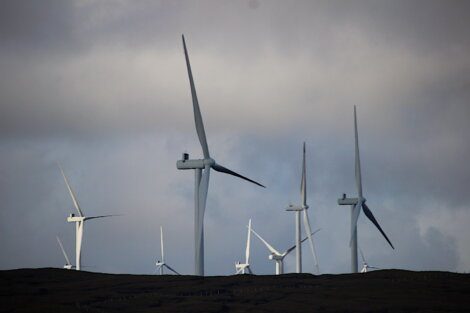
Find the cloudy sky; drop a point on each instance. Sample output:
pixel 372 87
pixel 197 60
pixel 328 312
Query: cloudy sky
pixel 102 88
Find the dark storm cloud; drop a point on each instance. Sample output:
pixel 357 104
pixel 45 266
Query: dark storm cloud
pixel 426 25
pixel 29 26
pixel 74 58
pixel 101 86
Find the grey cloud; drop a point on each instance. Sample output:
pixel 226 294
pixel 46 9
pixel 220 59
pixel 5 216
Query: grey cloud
pixel 116 84
pixel 300 24
pixel 27 27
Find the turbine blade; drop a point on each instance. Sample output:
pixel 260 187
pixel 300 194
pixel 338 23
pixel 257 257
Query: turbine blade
pixel 161 244
pixel 375 268
pixel 371 217
pixel 354 218
pixel 197 112
pixel 311 234
pixel 72 194
pixel 220 168
pixel 100 216
pixel 303 182
pixel 249 269
pixel 248 241
pixel 310 240
pixel 203 187
pixel 168 267
pixel 63 250
pixel 294 246
pixel 238 271
pixel 362 255
pixel 358 161
pixel 270 248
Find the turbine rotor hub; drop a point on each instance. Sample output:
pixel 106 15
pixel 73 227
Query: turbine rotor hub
pixel 275 257
pixel 209 161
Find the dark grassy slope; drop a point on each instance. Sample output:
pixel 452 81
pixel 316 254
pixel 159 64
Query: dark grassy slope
pixel 56 290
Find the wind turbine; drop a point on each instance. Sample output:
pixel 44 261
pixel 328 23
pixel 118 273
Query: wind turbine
pixel 67 265
pixel 202 171
pixel 358 203
pixel 277 256
pixel 161 264
pixel 79 222
pixel 366 266
pixel 303 208
pixel 243 268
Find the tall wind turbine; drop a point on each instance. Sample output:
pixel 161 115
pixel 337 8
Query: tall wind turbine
pixel 303 208
pixel 161 264
pixel 67 265
pixel 201 168
pixel 79 222
pixel 277 256
pixel 358 203
pixel 243 268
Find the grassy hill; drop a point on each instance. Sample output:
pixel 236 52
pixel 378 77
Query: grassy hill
pixel 57 290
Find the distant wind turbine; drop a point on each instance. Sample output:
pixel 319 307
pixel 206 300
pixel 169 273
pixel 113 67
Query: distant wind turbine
pixel 67 265
pixel 358 203
pixel 277 256
pixel 202 171
pixel 303 208
pixel 243 268
pixel 79 222
pixel 161 263
pixel 365 265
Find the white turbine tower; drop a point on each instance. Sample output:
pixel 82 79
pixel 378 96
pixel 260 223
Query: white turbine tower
pixel 358 203
pixel 243 268
pixel 67 265
pixel 277 256
pixel 298 209
pixel 202 171
pixel 79 222
pixel 365 265
pixel 161 263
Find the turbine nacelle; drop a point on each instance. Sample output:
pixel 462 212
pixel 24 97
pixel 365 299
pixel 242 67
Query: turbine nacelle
pixel 350 201
pixel 276 257
pixel 240 266
pixel 187 164
pixel 68 266
pixel 292 207
pixel 74 219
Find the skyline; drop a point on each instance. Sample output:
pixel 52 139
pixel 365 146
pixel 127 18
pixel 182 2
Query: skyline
pixel 102 88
